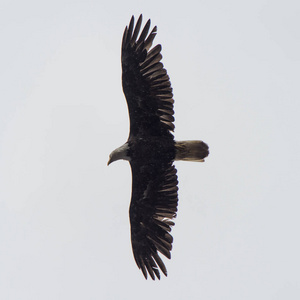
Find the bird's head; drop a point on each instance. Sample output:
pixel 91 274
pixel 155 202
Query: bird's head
pixel 112 157
pixel 119 153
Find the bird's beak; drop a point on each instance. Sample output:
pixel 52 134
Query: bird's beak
pixel 109 161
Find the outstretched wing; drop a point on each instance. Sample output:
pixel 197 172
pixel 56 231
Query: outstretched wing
pixel 150 101
pixel 145 82
pixel 153 205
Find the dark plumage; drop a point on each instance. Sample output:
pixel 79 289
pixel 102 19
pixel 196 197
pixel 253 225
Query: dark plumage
pixel 151 149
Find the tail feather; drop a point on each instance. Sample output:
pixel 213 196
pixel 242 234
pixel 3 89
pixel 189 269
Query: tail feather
pixel 191 151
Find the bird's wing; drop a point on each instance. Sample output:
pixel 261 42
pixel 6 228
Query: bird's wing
pixel 146 84
pixel 153 205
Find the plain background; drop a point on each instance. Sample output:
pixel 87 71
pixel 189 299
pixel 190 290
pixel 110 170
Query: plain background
pixel 64 226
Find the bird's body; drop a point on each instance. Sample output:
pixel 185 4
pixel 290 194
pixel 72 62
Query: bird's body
pixel 151 148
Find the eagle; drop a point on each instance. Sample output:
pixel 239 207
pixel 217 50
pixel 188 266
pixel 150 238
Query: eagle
pixel 151 149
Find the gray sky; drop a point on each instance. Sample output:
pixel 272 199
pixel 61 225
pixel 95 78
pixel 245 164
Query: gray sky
pixel 64 225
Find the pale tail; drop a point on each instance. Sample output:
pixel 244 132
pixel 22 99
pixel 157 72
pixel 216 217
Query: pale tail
pixel 191 150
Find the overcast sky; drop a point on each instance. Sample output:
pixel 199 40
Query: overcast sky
pixel 64 224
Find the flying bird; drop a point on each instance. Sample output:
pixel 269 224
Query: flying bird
pixel 151 149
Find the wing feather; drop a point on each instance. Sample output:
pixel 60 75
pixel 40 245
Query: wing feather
pixel 160 263
pixel 150 38
pixel 137 29
pixel 148 63
pixel 130 28
pixel 149 267
pixel 143 35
